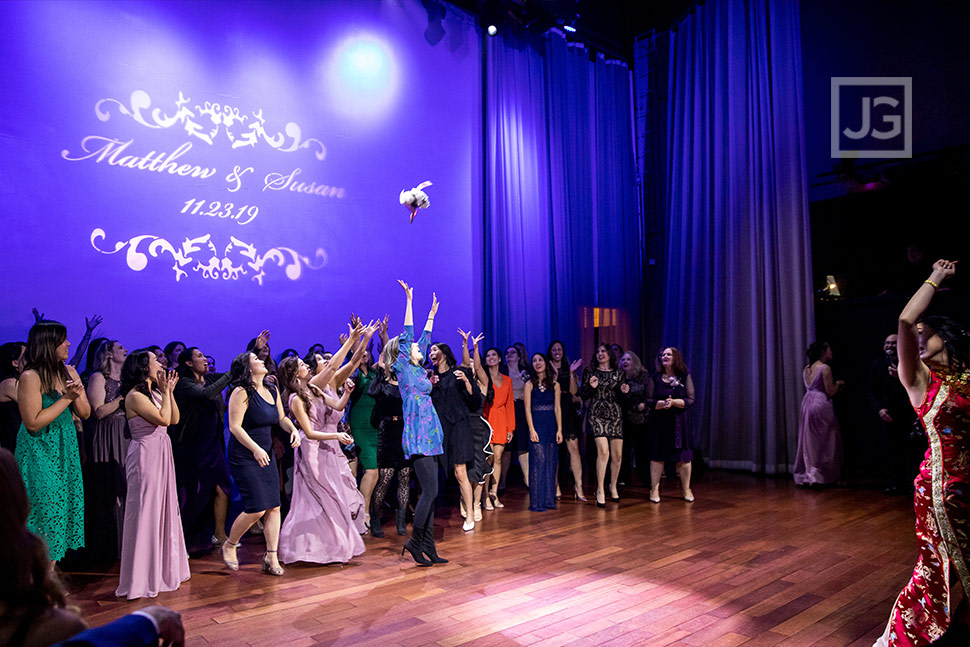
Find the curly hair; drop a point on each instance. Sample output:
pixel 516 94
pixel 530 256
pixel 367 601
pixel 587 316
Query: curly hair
pixel 286 373
pixel 102 357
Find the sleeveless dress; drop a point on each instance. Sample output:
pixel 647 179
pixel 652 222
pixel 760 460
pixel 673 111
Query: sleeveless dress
pixel 325 519
pixel 543 455
pixel 105 482
pixel 258 486
pixel 500 412
pixel 365 435
pixel 819 456
pixel 153 555
pixel 51 467
pixel 942 504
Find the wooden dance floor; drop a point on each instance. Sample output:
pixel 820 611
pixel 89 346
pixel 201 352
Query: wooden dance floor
pixel 754 562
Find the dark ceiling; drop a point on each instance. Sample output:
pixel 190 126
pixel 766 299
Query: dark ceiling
pixel 609 26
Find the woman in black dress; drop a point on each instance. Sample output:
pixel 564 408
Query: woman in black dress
pixel 601 388
pixel 633 397
pixel 389 419
pixel 670 393
pixel 11 366
pixel 254 407
pixel 455 395
pixel 572 423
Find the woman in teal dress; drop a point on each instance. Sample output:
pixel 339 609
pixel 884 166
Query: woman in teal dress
pixel 47 450
pixel 364 433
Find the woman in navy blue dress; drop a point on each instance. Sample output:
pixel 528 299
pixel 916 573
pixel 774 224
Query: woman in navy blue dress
pixel 544 416
pixel 254 407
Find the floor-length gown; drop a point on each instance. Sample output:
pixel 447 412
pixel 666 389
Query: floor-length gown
pixel 942 504
pixel 51 468
pixel 105 481
pixel 326 512
pixel 543 455
pixel 819 456
pixel 153 555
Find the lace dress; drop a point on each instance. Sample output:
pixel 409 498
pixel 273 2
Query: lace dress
pixel 51 467
pixel 605 417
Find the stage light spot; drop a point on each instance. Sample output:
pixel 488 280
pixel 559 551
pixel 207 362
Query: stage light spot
pixel 363 77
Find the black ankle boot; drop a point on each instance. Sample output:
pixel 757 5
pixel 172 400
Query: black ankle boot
pixel 402 528
pixel 414 546
pixel 430 549
pixel 375 526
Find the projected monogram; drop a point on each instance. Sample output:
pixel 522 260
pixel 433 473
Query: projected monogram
pixel 240 129
pixel 201 255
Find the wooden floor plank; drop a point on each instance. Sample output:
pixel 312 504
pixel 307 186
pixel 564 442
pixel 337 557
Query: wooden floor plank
pixel 753 562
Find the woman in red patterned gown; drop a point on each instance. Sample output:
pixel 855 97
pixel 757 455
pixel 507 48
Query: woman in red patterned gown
pixel 934 353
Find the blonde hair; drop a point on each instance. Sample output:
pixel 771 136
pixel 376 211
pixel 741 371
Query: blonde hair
pixel 390 352
pixel 102 357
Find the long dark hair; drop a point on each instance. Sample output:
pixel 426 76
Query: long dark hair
pixel 269 362
pixel 42 342
pixel 547 383
pixel 286 374
pixel 594 363
pixel 10 353
pixel 90 363
pixel 816 349
pixel 502 368
pixel 136 372
pixel 678 364
pixel 523 366
pixel 446 350
pixel 26 578
pixel 185 372
pixel 241 375
pixel 955 338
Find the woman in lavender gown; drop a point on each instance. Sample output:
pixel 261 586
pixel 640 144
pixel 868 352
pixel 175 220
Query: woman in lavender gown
pixel 325 521
pixel 153 555
pixel 818 460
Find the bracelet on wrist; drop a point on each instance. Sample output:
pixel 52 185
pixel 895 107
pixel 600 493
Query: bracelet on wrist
pixel 933 283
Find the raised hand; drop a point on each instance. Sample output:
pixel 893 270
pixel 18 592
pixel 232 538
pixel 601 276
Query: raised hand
pixel 38 316
pixel 262 340
pixel 478 338
pixel 576 365
pixel 354 319
pixel 342 337
pixel 434 304
pixel 93 322
pixel 172 380
pixel 383 325
pixel 944 269
pixel 464 336
pixel 407 290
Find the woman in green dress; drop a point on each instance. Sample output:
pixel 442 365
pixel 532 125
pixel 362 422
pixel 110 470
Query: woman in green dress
pixel 364 433
pixel 47 452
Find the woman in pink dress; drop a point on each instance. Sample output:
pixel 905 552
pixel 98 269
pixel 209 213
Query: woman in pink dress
pixel 934 368
pixel 153 555
pixel 326 518
pixel 818 460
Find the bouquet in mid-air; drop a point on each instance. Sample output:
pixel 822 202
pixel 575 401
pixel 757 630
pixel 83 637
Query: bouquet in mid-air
pixel 416 198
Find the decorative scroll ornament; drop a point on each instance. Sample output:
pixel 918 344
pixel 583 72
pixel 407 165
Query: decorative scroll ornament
pixel 206 121
pixel 201 255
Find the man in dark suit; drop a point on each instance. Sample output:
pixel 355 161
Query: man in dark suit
pixel 143 628
pixel 896 419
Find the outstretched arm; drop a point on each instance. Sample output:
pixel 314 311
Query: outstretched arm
pixel 913 373
pixel 323 378
pixel 480 371
pixel 431 313
pixel 90 325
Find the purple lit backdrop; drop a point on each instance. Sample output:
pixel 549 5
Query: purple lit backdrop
pixel 349 98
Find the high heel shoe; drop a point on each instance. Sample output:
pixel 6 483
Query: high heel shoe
pixel 600 504
pixel 655 496
pixel 468 525
pixel 615 498
pixel 430 550
pixel 689 496
pixel 232 565
pixel 579 496
pixel 414 546
pixel 477 514
pixel 493 496
pixel 268 568
pixel 461 510
pixel 488 503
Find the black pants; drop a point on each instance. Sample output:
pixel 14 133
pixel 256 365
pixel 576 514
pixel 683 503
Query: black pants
pixel 426 470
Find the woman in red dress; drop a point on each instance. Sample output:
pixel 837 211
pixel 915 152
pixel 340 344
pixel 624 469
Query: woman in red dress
pixel 933 368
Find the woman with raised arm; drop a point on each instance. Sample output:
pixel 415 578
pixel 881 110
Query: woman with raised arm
pixel 601 388
pixel 199 446
pixel 364 433
pixel 106 443
pixel 48 391
pixel 493 377
pixel 153 555
pixel 934 368
pixel 481 469
pixel 456 398
pixel 325 521
pixel 254 407
pixel 543 413
pixel 422 438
